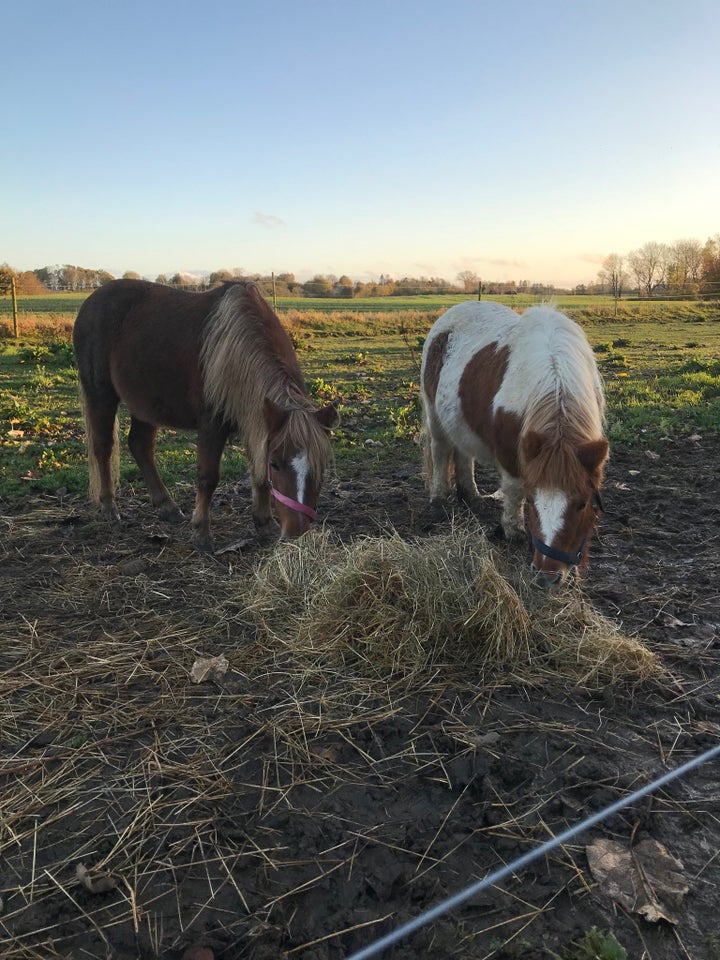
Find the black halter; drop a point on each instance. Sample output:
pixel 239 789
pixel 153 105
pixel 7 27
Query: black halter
pixel 571 559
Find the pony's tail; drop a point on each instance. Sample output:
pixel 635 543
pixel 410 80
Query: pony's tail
pixel 427 460
pixel 93 470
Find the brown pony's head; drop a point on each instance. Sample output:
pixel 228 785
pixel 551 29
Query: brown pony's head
pixel 298 455
pixel 562 485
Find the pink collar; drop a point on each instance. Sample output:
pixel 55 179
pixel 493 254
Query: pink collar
pixel 288 501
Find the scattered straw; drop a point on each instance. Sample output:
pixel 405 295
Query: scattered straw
pixel 351 668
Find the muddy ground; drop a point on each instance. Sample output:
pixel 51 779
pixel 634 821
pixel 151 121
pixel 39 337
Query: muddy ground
pixel 269 815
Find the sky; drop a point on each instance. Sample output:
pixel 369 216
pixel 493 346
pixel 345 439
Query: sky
pixel 520 140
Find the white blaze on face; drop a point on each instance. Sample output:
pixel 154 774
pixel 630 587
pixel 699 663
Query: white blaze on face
pixel 301 466
pixel 550 506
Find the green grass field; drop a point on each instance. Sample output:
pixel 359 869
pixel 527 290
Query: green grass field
pixel 661 369
pixel 66 305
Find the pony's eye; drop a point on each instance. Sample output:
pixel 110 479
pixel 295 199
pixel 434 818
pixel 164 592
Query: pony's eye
pixel 274 465
pixel 581 506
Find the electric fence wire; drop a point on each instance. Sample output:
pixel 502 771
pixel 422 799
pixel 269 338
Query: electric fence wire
pixel 445 906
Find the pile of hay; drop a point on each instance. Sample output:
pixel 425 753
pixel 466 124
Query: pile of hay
pixel 386 605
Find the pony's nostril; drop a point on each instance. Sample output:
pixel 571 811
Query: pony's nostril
pixel 546 579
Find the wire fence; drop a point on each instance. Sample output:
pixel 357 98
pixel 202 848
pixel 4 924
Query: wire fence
pixel 445 906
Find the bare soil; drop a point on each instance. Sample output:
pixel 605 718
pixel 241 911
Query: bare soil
pixel 270 814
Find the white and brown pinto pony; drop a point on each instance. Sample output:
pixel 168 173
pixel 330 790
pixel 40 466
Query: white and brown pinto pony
pixel 522 393
pixel 217 362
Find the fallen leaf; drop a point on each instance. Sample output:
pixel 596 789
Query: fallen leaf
pixel 487 739
pixel 644 879
pixel 236 546
pixel 651 455
pixel 209 668
pixel 670 621
pixel 96 881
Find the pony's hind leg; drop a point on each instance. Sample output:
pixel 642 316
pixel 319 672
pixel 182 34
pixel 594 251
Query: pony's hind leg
pixel 103 450
pixel 141 441
pixel 467 490
pixel 437 467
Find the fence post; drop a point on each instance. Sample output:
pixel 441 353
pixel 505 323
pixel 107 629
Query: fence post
pixel 273 289
pixel 14 303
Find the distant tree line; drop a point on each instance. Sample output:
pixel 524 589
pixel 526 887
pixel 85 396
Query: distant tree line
pixel 686 268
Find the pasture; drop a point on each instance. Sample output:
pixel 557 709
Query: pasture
pixel 310 788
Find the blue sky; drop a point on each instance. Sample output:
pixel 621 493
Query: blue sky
pixel 518 139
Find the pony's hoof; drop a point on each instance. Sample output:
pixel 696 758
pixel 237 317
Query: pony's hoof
pixel 171 513
pixel 110 513
pixel 267 533
pixel 467 497
pixel 436 511
pixel 266 528
pixel 203 545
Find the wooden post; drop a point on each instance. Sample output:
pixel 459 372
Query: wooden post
pixel 274 296
pixel 479 289
pixel 14 303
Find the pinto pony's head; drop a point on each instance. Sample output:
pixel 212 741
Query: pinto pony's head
pixel 562 485
pixel 298 455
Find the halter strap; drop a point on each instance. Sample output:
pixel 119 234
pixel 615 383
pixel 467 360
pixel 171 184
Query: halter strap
pixel 571 559
pixel 288 501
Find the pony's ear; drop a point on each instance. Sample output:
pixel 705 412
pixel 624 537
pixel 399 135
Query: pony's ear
pixel 328 417
pixel 532 444
pixel 593 454
pixel 274 416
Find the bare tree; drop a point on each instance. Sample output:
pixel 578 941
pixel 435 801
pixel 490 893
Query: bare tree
pixel 469 280
pixel 7 275
pixel 685 267
pixel 649 266
pixel 612 276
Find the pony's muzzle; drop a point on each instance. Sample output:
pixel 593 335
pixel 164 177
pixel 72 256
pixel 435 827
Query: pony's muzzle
pixel 296 527
pixel 547 579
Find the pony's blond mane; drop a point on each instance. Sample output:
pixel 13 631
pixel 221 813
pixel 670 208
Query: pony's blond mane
pixel 246 359
pixel 568 408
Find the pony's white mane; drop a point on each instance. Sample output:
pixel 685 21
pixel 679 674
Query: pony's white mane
pixel 566 399
pixel 246 358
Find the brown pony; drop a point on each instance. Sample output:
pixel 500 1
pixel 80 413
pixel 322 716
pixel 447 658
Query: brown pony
pixel 217 362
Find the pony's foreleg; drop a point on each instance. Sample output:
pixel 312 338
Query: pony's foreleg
pixel 261 507
pixel 261 497
pixel 210 445
pixel 141 441
pixel 513 521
